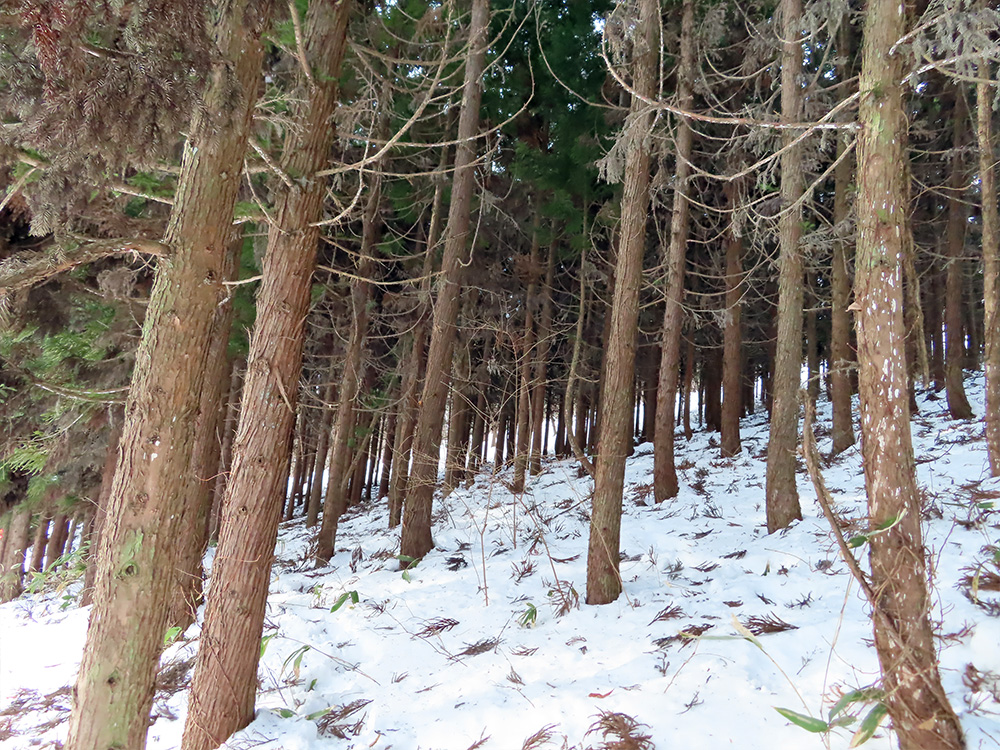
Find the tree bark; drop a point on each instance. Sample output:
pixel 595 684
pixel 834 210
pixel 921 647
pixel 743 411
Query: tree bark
pixel 921 714
pixel 782 496
pixel 958 403
pixel 320 468
pixel 114 690
pixel 732 344
pixel 664 471
pixel 527 352
pixel 39 543
pixel 17 538
pixel 991 264
pixel 225 678
pixel 416 537
pixel 542 348
pixel 193 539
pixel 840 293
pixel 615 443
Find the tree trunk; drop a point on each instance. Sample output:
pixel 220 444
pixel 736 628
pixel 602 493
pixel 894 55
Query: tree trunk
pixel 526 349
pixel 149 499
pixel 840 293
pixel 412 377
pixel 732 336
pixel 39 543
pixel 416 537
pixel 322 450
pixel 193 539
pixel 17 538
pixel 958 404
pixel 57 540
pixel 225 678
pixel 991 264
pixel 603 580
pixel 782 496
pixel 387 453
pixel 664 471
pixel 921 714
pixel 101 506
pixel 542 349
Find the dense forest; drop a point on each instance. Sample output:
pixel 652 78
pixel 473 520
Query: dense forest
pixel 265 261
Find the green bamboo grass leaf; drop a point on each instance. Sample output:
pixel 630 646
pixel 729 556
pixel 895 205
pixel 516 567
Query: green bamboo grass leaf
pixel 352 595
pixel 809 723
pixel 263 643
pixel 864 695
pixel 870 723
pixel 171 635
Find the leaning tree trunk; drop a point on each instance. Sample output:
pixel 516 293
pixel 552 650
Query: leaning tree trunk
pixel 615 443
pixel 416 537
pixel 922 717
pixel 958 403
pixel 149 498
pixel 193 539
pixel 664 471
pixel 782 496
pixel 225 679
pixel 991 264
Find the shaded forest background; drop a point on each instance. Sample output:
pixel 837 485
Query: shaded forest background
pixel 261 261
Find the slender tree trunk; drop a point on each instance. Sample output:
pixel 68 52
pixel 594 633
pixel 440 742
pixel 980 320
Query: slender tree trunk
pixel 101 506
pixel 149 500
pixel 542 349
pixel 577 438
pixel 17 538
pixel 416 537
pixel 664 471
pixel 958 404
pixel 322 450
pixel 840 316
pixel 935 322
pixel 225 679
pixel 458 422
pixel 193 539
pixel 782 496
pixel 921 714
pixel 603 580
pixel 412 377
pixel 343 432
pixel 39 543
pixel 812 344
pixel 991 264
pixel 56 540
pixel 732 344
pixel 387 454
pixel 232 406
pixel 527 352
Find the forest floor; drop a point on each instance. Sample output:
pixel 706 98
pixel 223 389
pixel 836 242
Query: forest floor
pixel 487 642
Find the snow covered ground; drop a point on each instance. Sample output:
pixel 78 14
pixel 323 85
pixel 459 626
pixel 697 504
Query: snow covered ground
pixel 488 640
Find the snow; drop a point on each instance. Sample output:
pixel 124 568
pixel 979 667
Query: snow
pixel 500 557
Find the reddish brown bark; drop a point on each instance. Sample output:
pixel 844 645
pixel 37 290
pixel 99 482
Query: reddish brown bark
pixel 782 497
pixel 416 537
pixel 991 265
pixel 114 690
pixel 664 471
pixel 922 717
pixel 732 344
pixel 603 580
pixel 224 686
pixel 958 403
